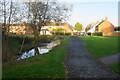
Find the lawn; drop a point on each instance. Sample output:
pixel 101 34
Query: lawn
pixel 49 65
pixel 115 67
pixel 100 46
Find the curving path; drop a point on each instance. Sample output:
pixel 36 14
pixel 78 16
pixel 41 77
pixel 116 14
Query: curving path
pixel 81 65
pixel 111 59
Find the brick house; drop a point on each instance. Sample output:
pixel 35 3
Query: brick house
pixel 17 29
pixel 48 28
pixel 106 27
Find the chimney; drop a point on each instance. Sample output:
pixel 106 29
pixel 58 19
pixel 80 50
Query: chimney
pixel 106 18
pixel 102 19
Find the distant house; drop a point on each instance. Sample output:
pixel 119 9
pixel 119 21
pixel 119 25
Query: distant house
pixel 45 30
pixel 93 28
pixel 106 27
pixel 83 32
pixel 17 29
pixel 48 29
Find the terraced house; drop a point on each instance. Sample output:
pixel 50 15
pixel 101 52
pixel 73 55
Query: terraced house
pixel 45 30
pixel 48 28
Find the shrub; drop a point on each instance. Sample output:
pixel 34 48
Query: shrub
pixel 44 39
pixel 67 33
pixel 47 39
pixel 61 33
pixel 58 31
pixel 89 34
pixel 97 34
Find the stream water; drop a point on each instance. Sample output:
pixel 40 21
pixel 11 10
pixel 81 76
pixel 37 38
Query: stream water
pixel 42 50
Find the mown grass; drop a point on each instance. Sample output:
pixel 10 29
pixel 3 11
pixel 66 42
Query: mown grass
pixel 115 67
pixel 49 65
pixel 100 46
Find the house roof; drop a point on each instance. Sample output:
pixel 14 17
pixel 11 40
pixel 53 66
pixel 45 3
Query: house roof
pixel 92 28
pixel 106 24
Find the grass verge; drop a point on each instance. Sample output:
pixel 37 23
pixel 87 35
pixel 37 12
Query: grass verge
pixel 100 46
pixel 115 67
pixel 49 65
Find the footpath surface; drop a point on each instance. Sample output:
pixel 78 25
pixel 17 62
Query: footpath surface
pixel 80 64
pixel 111 59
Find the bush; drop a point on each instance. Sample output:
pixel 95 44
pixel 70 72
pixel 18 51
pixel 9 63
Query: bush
pixel 97 34
pixel 67 33
pixel 45 39
pixel 89 34
pixel 61 33
pixel 10 47
pixel 58 31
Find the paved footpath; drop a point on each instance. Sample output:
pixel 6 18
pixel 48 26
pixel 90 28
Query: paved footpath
pixel 80 64
pixel 111 59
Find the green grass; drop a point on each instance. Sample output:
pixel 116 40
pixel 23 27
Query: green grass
pixel 115 67
pixel 100 46
pixel 14 43
pixel 49 65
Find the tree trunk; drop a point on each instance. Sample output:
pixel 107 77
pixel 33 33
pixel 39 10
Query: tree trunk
pixel 36 44
pixel 22 45
pixel 36 39
pixel 6 53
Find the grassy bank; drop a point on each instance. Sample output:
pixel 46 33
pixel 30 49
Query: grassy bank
pixel 101 46
pixel 13 44
pixel 49 65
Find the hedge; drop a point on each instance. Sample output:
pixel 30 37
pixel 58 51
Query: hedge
pixel 97 34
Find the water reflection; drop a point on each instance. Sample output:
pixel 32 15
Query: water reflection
pixel 42 50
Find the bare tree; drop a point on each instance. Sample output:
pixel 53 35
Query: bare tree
pixel 6 15
pixel 44 11
pixel 36 13
pixel 9 14
pixel 26 15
